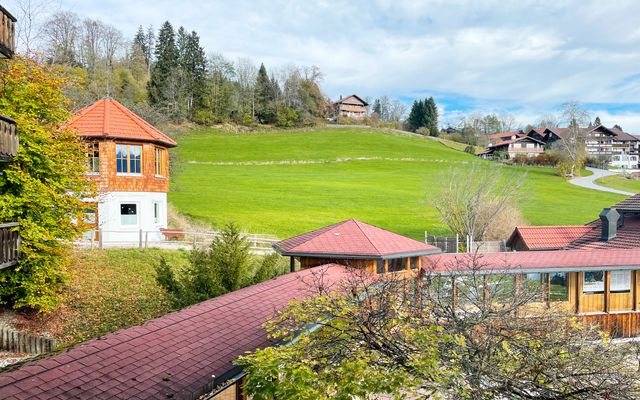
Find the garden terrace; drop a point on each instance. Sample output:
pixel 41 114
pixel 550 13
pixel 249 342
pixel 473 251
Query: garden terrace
pixel 7 34
pixel 8 139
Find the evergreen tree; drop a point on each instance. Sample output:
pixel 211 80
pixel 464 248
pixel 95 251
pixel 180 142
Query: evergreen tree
pixel 264 97
pixel 416 115
pixel 431 116
pixel 140 44
pixel 597 121
pixel 377 109
pixel 150 45
pixel 616 126
pixel 166 54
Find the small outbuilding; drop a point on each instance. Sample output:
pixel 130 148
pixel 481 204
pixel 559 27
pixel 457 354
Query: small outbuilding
pixel 355 244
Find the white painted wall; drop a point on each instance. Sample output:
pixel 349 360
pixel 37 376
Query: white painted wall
pixel 111 223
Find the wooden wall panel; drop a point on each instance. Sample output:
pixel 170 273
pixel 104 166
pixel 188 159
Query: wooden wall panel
pixel 621 301
pixel 617 324
pixel 109 181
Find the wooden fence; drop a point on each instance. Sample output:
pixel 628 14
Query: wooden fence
pixel 9 245
pixel 19 342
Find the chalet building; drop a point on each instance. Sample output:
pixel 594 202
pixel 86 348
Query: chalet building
pixel 503 136
pixel 514 146
pixel 350 106
pixel 355 244
pixel 9 236
pixel 129 161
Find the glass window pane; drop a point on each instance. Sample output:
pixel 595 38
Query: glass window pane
pixel 559 288
pixel 413 263
pixel 380 266
pixel 397 264
pixel 128 214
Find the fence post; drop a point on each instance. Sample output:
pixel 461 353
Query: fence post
pixel 100 238
pixel 457 242
pixel 146 240
pixel 140 239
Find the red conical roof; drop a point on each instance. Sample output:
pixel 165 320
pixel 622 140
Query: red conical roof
pixel 353 238
pixel 108 119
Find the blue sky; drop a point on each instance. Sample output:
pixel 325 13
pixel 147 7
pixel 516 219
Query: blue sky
pixel 520 57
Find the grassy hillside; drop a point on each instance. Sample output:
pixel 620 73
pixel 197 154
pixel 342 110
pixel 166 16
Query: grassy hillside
pixel 621 183
pixel 289 182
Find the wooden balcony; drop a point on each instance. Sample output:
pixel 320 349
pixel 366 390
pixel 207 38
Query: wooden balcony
pixel 7 34
pixel 9 245
pixel 8 139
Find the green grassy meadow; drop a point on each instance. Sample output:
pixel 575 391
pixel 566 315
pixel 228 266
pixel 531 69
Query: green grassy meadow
pixel 621 183
pixel 289 182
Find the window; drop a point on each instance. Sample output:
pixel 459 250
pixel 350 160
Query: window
pixel 593 282
pixel 160 161
pixel 93 158
pixel 156 213
pixel 559 291
pixel 620 281
pixel 128 159
pixel 128 214
pixel 379 266
pixel 397 264
pixel 413 263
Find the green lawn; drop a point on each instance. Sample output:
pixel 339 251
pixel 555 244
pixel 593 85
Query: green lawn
pixel 289 182
pixel 620 182
pixel 107 290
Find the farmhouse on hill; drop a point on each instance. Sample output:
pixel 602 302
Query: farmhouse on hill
pixel 350 106
pixel 129 161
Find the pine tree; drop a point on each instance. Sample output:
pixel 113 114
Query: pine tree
pixel 377 109
pixel 618 127
pixel 264 96
pixel 597 121
pixel 416 116
pixel 166 54
pixel 140 43
pixel 431 116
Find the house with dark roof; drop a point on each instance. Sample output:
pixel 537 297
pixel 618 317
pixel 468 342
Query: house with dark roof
pixel 128 159
pixel 356 244
pixel 351 106
pixel 516 145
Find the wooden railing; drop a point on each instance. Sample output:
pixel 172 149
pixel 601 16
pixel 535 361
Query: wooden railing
pixel 7 34
pixel 9 245
pixel 8 139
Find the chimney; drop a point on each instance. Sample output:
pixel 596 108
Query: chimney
pixel 609 218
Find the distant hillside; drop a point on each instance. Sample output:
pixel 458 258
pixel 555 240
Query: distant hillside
pixel 288 182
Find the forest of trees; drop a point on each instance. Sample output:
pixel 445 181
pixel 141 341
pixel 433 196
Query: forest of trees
pixel 168 76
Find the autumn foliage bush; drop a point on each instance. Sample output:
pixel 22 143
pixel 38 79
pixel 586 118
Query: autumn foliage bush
pixel 42 189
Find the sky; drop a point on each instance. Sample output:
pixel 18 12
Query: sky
pixel 524 58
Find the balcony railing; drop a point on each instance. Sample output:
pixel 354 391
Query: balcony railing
pixel 9 245
pixel 7 34
pixel 8 139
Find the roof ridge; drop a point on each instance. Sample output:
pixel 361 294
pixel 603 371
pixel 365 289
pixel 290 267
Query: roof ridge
pixel 365 235
pixel 105 120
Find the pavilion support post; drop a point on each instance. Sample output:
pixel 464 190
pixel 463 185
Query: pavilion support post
pixel 547 289
pixel 578 286
pixel 454 294
pixel 485 289
pixel 634 285
pixel 607 291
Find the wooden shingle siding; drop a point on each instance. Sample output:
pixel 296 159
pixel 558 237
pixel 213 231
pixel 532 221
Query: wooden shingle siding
pixel 108 179
pixel 9 245
pixel 8 139
pixel 7 34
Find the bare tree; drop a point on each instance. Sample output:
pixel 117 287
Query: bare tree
pixel 246 73
pixel 572 145
pixel 397 111
pixel 548 121
pixel 61 32
pixel 30 27
pixel 91 43
pixel 472 199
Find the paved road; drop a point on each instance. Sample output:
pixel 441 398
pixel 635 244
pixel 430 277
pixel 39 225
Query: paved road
pixel 589 181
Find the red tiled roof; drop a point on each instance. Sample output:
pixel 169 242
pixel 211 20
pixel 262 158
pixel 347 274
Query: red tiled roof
pixel 631 203
pixel 174 356
pixel 535 261
pixel 107 118
pixel 352 238
pixel 547 237
pixel 627 236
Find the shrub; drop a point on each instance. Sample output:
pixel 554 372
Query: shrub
pixel 287 118
pixel 470 149
pixel 423 131
pixel 224 267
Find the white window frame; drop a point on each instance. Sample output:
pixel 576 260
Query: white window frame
pixel 620 281
pixel 138 214
pixel 128 159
